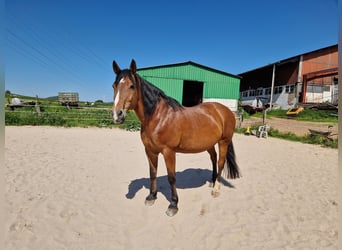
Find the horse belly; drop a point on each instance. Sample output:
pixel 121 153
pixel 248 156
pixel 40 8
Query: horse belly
pixel 199 139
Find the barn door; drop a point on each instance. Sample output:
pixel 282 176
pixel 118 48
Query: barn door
pixel 192 93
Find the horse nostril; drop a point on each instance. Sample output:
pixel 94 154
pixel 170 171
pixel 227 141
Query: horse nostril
pixel 118 116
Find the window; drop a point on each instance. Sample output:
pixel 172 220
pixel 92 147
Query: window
pixel 317 89
pixel 292 88
pixel 278 90
pixel 289 88
pixel 244 94
pixel 268 91
pixel 335 80
pixel 259 91
pixel 326 88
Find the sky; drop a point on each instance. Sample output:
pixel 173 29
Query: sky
pixel 57 46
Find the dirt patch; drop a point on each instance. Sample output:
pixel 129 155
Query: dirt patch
pixel 297 127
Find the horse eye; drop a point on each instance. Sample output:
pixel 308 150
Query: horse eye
pixel 131 87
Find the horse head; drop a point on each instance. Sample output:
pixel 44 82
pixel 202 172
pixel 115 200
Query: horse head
pixel 125 91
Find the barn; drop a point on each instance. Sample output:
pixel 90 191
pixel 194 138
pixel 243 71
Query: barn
pixel 191 83
pixel 309 78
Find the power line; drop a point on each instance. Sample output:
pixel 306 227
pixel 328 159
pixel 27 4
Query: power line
pixel 26 53
pixel 42 42
pixel 44 56
pixel 49 52
pixel 79 49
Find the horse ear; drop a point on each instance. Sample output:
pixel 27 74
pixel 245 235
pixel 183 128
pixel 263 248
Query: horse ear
pixel 133 67
pixel 116 68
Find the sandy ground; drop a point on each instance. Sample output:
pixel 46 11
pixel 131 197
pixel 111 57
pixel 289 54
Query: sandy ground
pixel 74 188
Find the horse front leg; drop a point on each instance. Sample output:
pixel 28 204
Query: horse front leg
pixel 170 162
pixel 153 163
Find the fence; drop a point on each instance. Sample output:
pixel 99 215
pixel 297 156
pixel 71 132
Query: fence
pixel 65 116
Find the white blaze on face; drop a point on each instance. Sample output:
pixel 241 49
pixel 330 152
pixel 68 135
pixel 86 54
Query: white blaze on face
pixel 115 104
pixel 116 101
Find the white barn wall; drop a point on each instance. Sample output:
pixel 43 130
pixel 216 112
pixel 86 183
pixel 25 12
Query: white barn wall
pixel 230 103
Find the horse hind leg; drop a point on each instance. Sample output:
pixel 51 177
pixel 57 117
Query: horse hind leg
pixel 213 158
pixel 170 162
pixel 223 148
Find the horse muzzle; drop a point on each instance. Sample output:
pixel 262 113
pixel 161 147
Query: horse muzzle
pixel 119 116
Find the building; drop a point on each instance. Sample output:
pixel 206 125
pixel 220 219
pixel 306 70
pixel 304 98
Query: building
pixel 307 78
pixel 68 98
pixel 191 83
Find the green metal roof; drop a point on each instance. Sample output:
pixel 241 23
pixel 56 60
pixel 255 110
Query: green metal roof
pixel 189 63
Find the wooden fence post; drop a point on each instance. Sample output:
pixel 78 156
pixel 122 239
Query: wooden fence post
pixel 37 106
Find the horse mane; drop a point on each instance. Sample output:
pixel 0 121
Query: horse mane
pixel 152 96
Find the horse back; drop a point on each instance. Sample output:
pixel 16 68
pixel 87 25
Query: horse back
pixel 222 114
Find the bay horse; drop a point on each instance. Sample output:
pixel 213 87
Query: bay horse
pixel 167 127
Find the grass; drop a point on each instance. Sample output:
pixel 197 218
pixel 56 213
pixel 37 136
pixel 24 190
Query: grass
pixel 310 139
pixel 80 117
pixel 54 114
pixel 98 115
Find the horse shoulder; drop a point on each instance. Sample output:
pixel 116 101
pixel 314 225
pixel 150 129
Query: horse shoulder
pixel 161 131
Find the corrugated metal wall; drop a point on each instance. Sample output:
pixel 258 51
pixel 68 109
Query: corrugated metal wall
pixel 170 79
pixel 322 59
pixel 171 87
pixel 227 89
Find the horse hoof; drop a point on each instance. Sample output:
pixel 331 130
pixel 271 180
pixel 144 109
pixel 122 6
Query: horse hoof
pixel 215 193
pixel 150 199
pixel 171 211
pixel 149 202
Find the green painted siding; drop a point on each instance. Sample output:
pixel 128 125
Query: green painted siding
pixel 171 87
pixel 228 89
pixel 170 80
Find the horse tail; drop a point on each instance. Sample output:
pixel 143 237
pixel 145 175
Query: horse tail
pixel 231 165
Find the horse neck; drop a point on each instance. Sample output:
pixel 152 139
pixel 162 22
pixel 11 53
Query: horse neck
pixel 139 107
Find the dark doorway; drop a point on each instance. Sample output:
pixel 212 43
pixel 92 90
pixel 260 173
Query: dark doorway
pixel 192 93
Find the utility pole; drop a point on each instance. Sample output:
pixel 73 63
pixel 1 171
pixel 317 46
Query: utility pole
pixel 272 86
pixel 271 99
